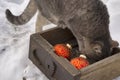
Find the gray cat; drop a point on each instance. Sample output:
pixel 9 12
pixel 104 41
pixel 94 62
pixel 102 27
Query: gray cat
pixel 88 20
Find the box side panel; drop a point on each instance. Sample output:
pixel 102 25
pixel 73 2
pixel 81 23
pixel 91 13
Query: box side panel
pixel 53 66
pixel 107 69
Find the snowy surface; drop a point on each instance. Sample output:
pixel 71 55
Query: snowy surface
pixel 14 40
pixel 14 45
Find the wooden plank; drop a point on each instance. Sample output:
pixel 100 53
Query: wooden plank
pixel 106 69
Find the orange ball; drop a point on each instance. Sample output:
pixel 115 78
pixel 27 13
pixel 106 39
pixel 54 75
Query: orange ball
pixel 79 62
pixel 62 50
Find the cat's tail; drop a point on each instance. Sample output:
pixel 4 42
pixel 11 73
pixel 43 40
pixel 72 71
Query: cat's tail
pixel 28 13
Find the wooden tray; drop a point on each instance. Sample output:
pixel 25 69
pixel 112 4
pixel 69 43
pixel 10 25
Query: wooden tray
pixel 57 68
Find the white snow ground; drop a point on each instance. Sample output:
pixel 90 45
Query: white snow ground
pixel 14 41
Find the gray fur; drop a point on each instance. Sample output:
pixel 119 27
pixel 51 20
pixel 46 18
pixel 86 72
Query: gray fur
pixel 88 20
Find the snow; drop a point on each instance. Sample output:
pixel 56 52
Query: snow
pixel 114 11
pixel 14 40
pixel 14 45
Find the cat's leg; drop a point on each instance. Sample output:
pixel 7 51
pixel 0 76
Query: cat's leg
pixel 41 21
pixel 86 46
pixel 80 45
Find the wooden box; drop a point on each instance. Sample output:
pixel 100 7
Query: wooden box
pixel 57 68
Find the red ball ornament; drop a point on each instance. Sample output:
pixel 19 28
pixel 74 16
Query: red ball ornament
pixel 79 62
pixel 62 50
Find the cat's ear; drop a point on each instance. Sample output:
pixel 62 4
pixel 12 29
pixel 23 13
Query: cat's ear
pixel 97 47
pixel 114 43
